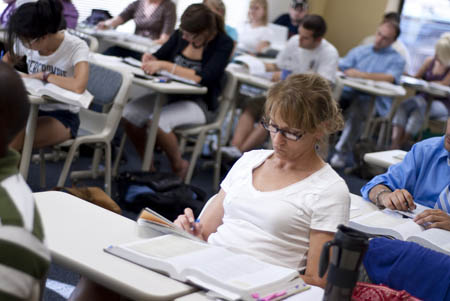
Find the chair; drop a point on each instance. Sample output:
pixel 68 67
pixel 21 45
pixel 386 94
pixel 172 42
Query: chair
pixel 110 89
pixel 91 41
pixel 200 132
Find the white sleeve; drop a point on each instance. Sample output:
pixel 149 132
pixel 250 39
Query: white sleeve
pixel 332 208
pixel 328 65
pixel 80 52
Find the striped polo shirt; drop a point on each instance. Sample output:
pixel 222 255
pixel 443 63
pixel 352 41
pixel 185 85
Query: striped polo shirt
pixel 24 258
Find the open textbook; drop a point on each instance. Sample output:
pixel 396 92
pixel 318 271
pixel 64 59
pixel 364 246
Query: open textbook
pixel 37 87
pixel 230 275
pixel 400 225
pixel 420 83
pixel 136 63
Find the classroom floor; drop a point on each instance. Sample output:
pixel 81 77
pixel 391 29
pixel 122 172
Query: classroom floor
pixel 60 280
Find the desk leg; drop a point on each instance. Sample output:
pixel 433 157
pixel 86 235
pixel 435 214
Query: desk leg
pixel 152 131
pixel 370 112
pixel 30 130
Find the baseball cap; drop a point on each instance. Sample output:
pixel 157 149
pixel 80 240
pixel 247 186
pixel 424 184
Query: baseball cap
pixel 302 4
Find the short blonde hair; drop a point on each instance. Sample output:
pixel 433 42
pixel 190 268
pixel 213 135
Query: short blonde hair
pixel 443 48
pixel 264 5
pixel 304 102
pixel 217 5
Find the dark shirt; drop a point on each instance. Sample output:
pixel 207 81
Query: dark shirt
pixel 285 20
pixel 215 58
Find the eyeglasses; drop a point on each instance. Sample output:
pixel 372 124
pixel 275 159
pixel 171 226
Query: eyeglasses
pixel 275 129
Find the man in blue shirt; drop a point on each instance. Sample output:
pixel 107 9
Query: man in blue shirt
pixel 379 62
pixel 297 11
pixel 420 178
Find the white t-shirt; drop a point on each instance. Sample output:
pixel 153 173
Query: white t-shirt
pixel 62 62
pixel 274 226
pixel 249 37
pixel 322 60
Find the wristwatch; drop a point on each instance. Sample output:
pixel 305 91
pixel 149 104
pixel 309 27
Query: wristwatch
pixel 45 76
pixel 377 198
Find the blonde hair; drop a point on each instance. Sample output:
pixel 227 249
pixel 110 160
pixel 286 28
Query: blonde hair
pixel 264 5
pixel 443 48
pixel 304 102
pixel 216 5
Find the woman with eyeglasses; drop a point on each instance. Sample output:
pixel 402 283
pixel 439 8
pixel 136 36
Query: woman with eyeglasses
pixel 52 56
pixel 282 205
pixel 198 51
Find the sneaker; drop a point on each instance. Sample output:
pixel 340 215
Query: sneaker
pixel 337 160
pixel 231 151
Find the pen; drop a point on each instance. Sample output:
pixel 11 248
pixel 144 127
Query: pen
pixel 1 54
pixel 193 224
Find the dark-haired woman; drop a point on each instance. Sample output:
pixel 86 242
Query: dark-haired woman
pixel 198 51
pixel 53 56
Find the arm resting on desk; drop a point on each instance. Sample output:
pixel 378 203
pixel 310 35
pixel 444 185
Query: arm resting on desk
pixel 423 69
pixel 111 23
pixel 367 75
pixel 77 83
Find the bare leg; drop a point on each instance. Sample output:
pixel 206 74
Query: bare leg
pixel 169 144
pixel 243 129
pixel 49 131
pixel 89 290
pixel 137 135
pixel 398 137
pixel 255 139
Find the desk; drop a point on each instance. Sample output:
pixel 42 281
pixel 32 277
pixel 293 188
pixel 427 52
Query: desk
pixel 162 90
pixel 244 77
pixel 76 232
pixel 370 87
pixel 121 39
pixel 385 158
pixel 30 130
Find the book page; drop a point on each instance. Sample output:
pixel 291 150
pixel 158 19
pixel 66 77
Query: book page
pixel 167 246
pixel 255 65
pixel 33 85
pixel 436 239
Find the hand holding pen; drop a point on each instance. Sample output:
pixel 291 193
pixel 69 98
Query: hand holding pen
pixel 188 223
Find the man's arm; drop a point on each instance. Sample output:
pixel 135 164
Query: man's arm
pixel 368 75
pixel 399 199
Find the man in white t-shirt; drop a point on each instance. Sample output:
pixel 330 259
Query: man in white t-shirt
pixel 307 52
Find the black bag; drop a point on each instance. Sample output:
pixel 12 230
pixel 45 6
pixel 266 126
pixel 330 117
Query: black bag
pixel 97 15
pixel 163 192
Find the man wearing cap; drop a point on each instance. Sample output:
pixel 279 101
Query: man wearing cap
pixel 297 11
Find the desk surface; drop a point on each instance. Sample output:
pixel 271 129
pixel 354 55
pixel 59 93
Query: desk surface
pixel 242 75
pixel 385 158
pixel 369 88
pixel 77 231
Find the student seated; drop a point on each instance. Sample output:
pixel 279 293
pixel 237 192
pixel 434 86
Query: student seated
pixel 218 7
pixel 24 258
pixel 298 9
pixel 398 45
pixel 282 205
pixel 308 52
pixel 53 56
pixel 199 51
pixel 410 115
pixel 255 35
pixel 422 177
pixel 154 19
pixel 379 62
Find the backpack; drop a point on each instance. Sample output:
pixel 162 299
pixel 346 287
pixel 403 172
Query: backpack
pixel 163 192
pixel 97 15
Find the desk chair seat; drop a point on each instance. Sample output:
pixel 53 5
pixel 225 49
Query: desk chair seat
pixel 110 89
pixel 198 133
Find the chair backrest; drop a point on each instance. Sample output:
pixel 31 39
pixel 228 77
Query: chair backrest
pixel 227 96
pixel 109 88
pixel 91 41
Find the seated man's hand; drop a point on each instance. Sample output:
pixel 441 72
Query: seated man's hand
pixel 354 73
pixel 187 222
pixel 399 199
pixel 434 218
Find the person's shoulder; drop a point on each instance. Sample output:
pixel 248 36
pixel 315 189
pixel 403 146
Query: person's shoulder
pixel 282 19
pixel 327 47
pixel 429 145
pixel 73 41
pixel 168 4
